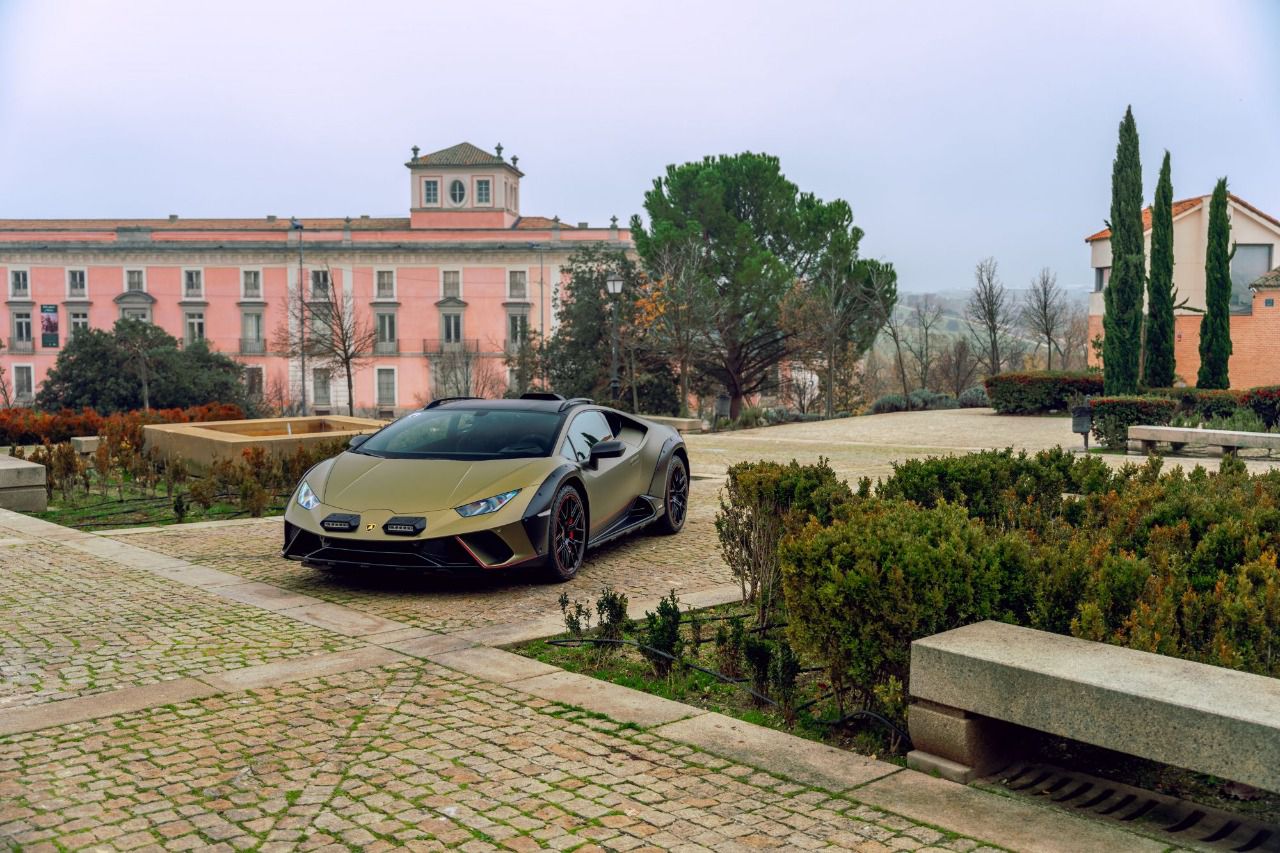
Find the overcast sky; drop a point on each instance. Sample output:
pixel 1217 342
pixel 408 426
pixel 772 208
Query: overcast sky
pixel 955 130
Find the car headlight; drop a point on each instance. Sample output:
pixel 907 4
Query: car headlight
pixel 306 498
pixel 487 505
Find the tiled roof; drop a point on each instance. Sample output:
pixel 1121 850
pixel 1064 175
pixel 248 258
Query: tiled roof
pixel 1271 279
pixel 1181 207
pixel 462 154
pixel 280 223
pixel 536 223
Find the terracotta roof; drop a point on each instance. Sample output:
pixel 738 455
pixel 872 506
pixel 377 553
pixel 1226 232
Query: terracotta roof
pixel 462 154
pixel 1181 207
pixel 1271 279
pixel 537 223
pixel 280 223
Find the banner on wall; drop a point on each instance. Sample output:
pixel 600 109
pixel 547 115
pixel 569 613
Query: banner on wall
pixel 49 325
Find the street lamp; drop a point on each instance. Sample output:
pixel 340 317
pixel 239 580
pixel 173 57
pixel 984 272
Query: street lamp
pixel 614 284
pixel 295 225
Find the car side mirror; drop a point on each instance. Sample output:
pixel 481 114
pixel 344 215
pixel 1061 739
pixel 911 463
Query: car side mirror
pixel 356 440
pixel 606 450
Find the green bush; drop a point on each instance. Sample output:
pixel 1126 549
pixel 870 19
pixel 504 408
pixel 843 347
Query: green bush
pixel 1112 417
pixel 1038 392
pixel 1205 403
pixel 922 399
pixel 1265 401
pixel 890 403
pixel 974 398
pixel 661 633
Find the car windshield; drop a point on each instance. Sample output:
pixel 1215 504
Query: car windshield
pixel 474 434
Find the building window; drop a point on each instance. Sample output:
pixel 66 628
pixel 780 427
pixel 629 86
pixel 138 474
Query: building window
pixel 457 192
pixel 430 192
pixel 24 384
pixel 142 314
pixel 320 327
pixel 1101 275
pixel 76 286
pixel 135 281
pixel 1250 262
pixel 517 330
pixel 251 342
pixel 320 284
pixel 79 322
pixel 195 326
pixel 251 281
pixel 386 386
pixel 517 284
pixel 452 328
pixel 386 341
pixel 321 382
pixel 22 341
pixel 19 284
pixel 253 381
pixel 484 191
pixel 451 287
pixel 385 287
pixel 192 284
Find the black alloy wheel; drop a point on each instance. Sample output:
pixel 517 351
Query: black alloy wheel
pixel 676 502
pixel 568 534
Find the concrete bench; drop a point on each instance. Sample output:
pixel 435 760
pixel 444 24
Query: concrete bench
pixel 85 444
pixel 22 485
pixel 1229 440
pixel 681 424
pixel 972 687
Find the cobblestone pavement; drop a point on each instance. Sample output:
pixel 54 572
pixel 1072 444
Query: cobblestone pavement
pixel 78 625
pixel 411 755
pixel 643 566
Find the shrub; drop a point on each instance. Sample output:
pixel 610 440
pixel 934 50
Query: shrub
pixel 1112 417
pixel 19 425
pixel 1265 402
pixel 859 591
pixel 890 403
pixel 750 417
pixel 974 398
pixel 1038 392
pixel 923 399
pixel 759 501
pixel 661 633
pixel 611 613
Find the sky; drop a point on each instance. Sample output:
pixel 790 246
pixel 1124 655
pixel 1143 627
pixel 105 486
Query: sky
pixel 956 131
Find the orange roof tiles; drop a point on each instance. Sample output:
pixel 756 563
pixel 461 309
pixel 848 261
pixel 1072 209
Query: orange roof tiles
pixel 1181 207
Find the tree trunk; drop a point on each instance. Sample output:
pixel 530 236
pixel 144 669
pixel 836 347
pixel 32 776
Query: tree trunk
pixel 684 388
pixel 635 392
pixel 351 399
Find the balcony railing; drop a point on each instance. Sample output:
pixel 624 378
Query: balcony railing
pixel 17 346
pixel 252 346
pixel 386 347
pixel 436 346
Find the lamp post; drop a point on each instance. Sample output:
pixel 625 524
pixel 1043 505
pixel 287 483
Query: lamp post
pixel 614 284
pixel 295 225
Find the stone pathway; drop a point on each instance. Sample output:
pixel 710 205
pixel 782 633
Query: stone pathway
pixel 187 689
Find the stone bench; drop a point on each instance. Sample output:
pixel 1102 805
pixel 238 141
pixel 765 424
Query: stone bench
pixel 681 424
pixel 85 444
pixel 22 485
pixel 974 686
pixel 1229 440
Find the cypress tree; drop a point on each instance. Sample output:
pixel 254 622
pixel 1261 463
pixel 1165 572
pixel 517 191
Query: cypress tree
pixel 1122 323
pixel 1157 362
pixel 1215 325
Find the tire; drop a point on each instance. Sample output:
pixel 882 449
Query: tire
pixel 566 535
pixel 675 502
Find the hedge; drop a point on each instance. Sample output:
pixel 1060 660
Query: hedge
pixel 1112 417
pixel 29 426
pixel 1038 392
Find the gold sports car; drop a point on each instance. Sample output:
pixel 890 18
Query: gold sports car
pixel 471 484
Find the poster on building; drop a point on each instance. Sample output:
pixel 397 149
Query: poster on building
pixel 48 325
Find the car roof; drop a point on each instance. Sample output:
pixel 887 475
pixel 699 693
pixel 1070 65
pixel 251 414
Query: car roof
pixel 516 404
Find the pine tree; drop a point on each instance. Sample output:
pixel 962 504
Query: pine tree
pixel 1158 362
pixel 1122 323
pixel 1215 326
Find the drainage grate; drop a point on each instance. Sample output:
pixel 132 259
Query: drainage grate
pixel 1184 823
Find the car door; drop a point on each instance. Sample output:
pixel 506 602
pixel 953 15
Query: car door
pixel 610 489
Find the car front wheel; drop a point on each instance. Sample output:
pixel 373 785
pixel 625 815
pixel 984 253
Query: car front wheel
pixel 567 535
pixel 676 502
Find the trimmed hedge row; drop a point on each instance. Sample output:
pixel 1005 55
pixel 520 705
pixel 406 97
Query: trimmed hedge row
pixel 29 426
pixel 1112 417
pixel 1038 392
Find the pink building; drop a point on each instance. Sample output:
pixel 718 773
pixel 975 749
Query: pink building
pixel 450 288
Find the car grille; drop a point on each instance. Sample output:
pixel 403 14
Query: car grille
pixel 443 553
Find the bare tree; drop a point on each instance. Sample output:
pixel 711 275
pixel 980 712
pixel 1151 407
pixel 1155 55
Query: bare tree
pixel 1075 338
pixel 990 314
pixel 800 387
pixel 6 392
pixel 331 330
pixel 957 366
pixel 922 341
pixel 896 331
pixel 1044 312
pixel 677 308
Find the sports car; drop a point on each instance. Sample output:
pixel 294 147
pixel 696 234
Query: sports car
pixel 472 484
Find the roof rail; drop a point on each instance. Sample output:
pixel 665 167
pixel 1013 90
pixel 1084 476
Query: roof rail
pixel 576 401
pixel 440 401
pixel 540 395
